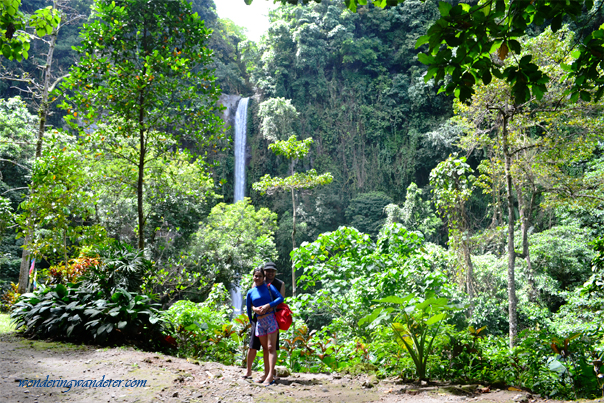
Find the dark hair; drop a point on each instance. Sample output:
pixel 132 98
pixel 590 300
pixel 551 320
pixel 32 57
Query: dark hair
pixel 260 269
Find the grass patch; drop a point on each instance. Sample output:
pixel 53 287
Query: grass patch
pixel 5 325
pixel 40 345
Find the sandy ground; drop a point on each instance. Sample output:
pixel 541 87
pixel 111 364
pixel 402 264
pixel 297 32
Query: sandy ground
pixel 170 379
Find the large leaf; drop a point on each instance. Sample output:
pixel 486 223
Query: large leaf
pixel 395 300
pixel 435 319
pixel 61 290
pixel 371 317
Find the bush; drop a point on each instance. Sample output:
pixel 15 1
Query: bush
pixel 541 361
pixel 9 298
pixel 204 330
pixel 106 307
pixel 60 274
pixel 120 267
pixel 83 314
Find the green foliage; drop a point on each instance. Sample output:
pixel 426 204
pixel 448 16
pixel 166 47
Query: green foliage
pixel 6 214
pixel 416 214
pixel 233 239
pixel 121 267
pixel 476 32
pixel 366 212
pixel 452 182
pixel 293 150
pixel 278 117
pixel 344 271
pixel 177 190
pixel 13 38
pixel 204 330
pixel 562 253
pixel 416 322
pixel 106 306
pixel 356 83
pixel 59 204
pixel 79 313
pixel 134 74
pixel 299 180
pixel 17 131
pixel 595 284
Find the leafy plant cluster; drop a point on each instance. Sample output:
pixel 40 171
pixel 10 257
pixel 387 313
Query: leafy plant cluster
pixel 205 331
pixel 105 307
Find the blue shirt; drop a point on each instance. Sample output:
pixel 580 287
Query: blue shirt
pixel 259 296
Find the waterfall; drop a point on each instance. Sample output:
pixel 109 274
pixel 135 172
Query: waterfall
pixel 240 142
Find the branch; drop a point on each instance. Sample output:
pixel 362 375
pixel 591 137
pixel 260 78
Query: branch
pixel 16 163
pixel 12 190
pixel 52 87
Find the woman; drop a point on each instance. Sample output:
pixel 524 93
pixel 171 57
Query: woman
pixel 262 299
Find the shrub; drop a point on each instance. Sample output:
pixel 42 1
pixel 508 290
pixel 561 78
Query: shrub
pixel 120 266
pixel 9 297
pixel 60 274
pixel 78 313
pixel 203 330
pixel 105 307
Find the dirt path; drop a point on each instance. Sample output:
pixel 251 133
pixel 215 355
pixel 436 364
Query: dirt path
pixel 170 379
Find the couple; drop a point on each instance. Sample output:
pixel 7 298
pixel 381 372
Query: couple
pixel 264 296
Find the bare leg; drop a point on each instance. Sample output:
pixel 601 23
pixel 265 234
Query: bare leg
pixel 272 356
pixel 266 361
pixel 251 356
pixel 264 342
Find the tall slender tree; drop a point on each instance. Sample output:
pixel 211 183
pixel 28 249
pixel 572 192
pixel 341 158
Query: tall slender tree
pixel 46 30
pixel 293 150
pixel 145 63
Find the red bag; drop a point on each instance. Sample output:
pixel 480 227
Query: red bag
pixel 282 313
pixel 284 316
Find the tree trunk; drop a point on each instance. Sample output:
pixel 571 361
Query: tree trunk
pixel 139 185
pixel 294 244
pixel 42 114
pixel 65 248
pixel 511 252
pixel 469 274
pixel 24 269
pixel 525 213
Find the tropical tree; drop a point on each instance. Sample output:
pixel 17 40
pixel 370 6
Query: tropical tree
pixel 233 239
pixel 278 117
pixel 54 216
pixel 524 141
pixel 177 190
pixel 40 88
pixel 452 183
pixel 145 63
pixel 416 214
pixel 293 150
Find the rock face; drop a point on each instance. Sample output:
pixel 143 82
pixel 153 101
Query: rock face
pixel 282 372
pixel 230 103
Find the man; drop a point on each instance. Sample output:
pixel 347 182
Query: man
pixel 270 271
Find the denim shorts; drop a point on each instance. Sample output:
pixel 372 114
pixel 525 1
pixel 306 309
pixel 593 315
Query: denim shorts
pixel 267 324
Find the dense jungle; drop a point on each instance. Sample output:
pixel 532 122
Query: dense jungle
pixel 428 177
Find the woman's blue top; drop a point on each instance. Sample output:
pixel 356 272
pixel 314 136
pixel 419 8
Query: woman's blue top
pixel 259 296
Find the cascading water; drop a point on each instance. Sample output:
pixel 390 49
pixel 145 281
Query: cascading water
pixel 240 142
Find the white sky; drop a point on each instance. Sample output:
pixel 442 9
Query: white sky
pixel 253 17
